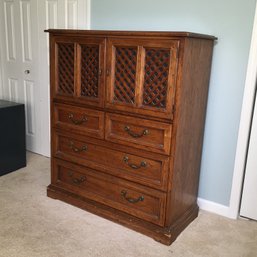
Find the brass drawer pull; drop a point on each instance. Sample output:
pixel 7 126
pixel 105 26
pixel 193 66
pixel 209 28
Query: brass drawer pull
pixel 77 150
pixel 134 166
pixel 131 200
pixel 77 122
pixel 77 181
pixel 133 134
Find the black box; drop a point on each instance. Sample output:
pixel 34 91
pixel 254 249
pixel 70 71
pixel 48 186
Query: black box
pixel 12 137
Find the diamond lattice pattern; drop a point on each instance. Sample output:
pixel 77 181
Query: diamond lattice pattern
pixel 156 77
pixel 125 74
pixel 89 70
pixel 66 68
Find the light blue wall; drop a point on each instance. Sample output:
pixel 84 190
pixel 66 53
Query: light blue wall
pixel 231 21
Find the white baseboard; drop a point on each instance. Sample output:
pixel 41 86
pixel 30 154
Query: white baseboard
pixel 215 208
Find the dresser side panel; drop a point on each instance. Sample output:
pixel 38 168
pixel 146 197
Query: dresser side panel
pixel 189 120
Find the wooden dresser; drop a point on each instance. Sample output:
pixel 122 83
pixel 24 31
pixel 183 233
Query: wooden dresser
pixel 127 122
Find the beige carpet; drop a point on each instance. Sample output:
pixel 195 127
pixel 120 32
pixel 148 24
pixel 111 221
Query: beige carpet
pixel 33 225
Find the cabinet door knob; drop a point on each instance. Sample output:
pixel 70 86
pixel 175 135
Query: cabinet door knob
pixel 27 72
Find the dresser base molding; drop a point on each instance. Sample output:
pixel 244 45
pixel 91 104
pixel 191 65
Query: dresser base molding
pixel 165 235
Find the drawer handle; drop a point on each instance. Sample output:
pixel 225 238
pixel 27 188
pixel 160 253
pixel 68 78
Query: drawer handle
pixel 77 181
pixel 134 166
pixel 133 134
pixel 131 200
pixel 77 122
pixel 77 150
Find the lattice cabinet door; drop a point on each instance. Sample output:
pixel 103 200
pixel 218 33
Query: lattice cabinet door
pixel 123 59
pixel 91 71
pixel 79 69
pixel 141 76
pixel 65 68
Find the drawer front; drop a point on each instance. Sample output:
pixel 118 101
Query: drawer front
pixel 148 135
pixel 79 120
pixel 150 172
pixel 142 202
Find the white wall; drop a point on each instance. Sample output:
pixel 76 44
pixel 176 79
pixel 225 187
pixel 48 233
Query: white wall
pixel 231 21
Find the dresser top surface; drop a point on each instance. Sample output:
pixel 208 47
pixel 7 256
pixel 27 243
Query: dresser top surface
pixel 165 34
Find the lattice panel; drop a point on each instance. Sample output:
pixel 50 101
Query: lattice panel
pixel 156 77
pixel 66 68
pixel 89 70
pixel 125 74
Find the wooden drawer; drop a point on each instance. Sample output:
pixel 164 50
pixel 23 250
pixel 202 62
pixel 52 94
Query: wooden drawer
pixel 139 201
pixel 148 135
pixel 151 172
pixel 79 120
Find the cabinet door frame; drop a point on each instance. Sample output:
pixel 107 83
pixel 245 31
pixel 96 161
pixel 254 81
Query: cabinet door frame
pixel 99 101
pixel 77 98
pixel 141 45
pixel 55 40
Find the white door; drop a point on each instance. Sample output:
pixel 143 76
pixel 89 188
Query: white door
pixel 24 57
pixel 61 14
pixel 249 194
pixel 20 62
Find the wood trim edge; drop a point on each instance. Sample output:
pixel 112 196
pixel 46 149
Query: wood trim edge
pixel 244 126
pixel 163 235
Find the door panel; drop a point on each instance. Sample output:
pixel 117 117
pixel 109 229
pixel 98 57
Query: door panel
pixel 92 70
pixel 13 89
pixel 22 35
pixel 26 31
pixel 124 79
pixel 155 85
pixel 29 99
pixel 141 76
pixel 123 67
pixel 79 70
pixel 24 52
pixel 65 68
pixel 9 30
pixel 89 69
pixel 20 63
pixel 68 14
